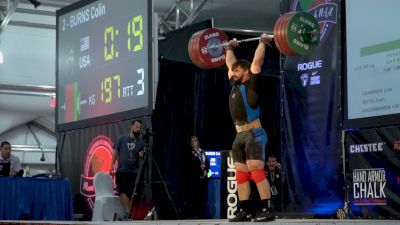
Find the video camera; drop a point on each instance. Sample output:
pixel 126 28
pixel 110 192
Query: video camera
pixel 147 134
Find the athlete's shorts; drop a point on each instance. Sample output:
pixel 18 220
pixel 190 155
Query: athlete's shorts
pixel 249 145
pixel 125 183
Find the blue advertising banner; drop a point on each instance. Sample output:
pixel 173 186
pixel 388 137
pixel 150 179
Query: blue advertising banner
pixel 374 172
pixel 312 117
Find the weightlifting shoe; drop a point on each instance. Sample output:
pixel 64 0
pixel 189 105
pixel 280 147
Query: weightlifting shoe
pixel 264 215
pixel 241 216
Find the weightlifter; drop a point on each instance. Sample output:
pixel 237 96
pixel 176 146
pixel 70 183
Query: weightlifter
pixel 248 148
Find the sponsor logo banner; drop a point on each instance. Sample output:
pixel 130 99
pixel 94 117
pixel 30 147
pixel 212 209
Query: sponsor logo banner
pixel 369 186
pixel 364 148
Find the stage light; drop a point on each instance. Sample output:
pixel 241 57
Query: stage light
pixel 35 3
pixel 42 159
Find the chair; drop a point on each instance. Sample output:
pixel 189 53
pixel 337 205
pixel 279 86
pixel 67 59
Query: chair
pixel 106 203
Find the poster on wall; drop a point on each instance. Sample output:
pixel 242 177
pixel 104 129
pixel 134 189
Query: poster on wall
pixel 311 153
pixel 373 174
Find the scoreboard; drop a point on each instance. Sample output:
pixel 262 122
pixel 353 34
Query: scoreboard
pixel 104 62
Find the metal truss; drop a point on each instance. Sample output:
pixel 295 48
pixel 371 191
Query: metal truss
pixel 182 13
pixel 9 7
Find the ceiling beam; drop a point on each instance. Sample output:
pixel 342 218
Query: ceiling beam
pixel 32 88
pixel 27 90
pixel 26 93
pixel 31 11
pixel 41 127
pixel 50 3
pixel 10 11
pixel 194 14
pixel 33 25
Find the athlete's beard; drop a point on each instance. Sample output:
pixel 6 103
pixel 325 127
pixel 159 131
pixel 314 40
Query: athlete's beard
pixel 235 81
pixel 135 134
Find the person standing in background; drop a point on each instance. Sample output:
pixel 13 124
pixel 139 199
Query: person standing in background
pixel 128 150
pixel 275 180
pixel 196 168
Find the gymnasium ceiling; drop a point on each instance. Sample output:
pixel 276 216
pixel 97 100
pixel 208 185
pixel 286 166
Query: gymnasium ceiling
pixel 27 43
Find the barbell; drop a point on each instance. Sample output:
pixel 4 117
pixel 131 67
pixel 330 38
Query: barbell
pixel 295 33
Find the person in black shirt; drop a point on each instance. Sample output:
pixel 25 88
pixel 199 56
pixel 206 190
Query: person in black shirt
pixel 196 168
pixel 248 148
pixel 128 150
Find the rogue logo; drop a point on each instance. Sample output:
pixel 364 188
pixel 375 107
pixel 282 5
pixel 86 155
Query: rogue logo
pixel 309 65
pixel 98 158
pixel 325 11
pixel 231 185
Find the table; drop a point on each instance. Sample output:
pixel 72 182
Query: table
pixel 35 198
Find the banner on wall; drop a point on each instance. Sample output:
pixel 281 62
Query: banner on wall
pixel 84 152
pixel 374 172
pixel 311 128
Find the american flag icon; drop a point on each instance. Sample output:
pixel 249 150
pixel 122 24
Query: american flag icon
pixel 84 43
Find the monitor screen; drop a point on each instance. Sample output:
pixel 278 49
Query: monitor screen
pixel 104 62
pixel 372 63
pixel 214 157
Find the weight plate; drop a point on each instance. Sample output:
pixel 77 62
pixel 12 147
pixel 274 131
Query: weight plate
pixel 197 52
pixel 302 33
pixel 285 45
pixel 212 57
pixel 193 52
pixel 277 34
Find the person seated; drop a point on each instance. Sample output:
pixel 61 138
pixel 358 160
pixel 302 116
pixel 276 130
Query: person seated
pixel 7 157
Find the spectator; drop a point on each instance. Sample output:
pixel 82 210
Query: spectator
pixel 274 178
pixel 7 157
pixel 196 168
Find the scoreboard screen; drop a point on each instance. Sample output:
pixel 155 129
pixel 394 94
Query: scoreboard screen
pixel 104 62
pixel 214 157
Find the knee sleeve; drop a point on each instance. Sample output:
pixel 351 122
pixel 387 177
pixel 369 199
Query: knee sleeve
pixel 242 177
pixel 258 175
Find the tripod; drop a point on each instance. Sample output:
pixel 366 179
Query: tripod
pixel 149 156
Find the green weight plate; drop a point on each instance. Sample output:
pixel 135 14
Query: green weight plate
pixel 302 33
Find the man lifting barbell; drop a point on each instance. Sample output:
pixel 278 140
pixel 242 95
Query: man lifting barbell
pixel 248 148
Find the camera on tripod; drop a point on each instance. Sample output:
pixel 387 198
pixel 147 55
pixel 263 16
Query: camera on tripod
pixel 147 134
